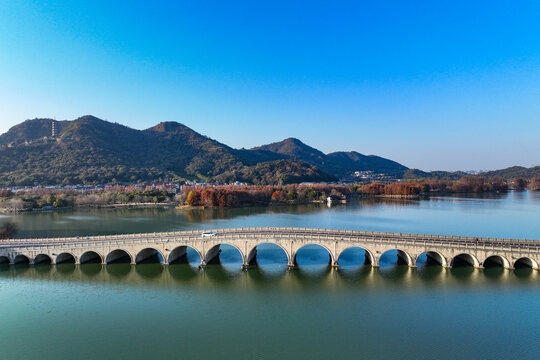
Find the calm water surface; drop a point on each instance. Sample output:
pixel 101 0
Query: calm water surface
pixel 153 311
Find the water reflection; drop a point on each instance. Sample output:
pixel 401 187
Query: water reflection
pixel 91 269
pixel 268 275
pixel 464 273
pixel 43 268
pixel 356 273
pixel 524 273
pixel 396 273
pixel 65 268
pixel 149 270
pixel 222 274
pixel 312 274
pixel 119 270
pixel 398 276
pixel 431 274
pixel 500 215
pixel 182 272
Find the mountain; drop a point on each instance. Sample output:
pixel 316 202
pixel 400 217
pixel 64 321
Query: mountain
pixel 510 173
pixel 341 164
pixel 296 150
pixel 29 130
pixel 89 150
pixel 277 172
pixel 515 172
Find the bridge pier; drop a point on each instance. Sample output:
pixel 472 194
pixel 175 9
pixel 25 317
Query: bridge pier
pixel 202 265
pixel 213 255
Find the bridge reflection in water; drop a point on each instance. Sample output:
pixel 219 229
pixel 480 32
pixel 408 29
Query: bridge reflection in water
pixel 158 275
pixel 155 310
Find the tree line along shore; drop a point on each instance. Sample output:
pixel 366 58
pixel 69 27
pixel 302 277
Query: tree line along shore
pixel 251 195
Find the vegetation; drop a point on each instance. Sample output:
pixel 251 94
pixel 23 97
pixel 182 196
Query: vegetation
pixel 534 185
pixel 519 184
pixel 234 196
pixel 8 230
pixel 92 151
pixel 53 199
pixel 231 196
pixel 341 164
pixel 508 174
pixel 249 195
pixel 277 172
pixel 467 184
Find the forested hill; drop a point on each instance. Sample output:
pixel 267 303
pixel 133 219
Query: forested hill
pixel 89 150
pixel 341 164
pixel 510 173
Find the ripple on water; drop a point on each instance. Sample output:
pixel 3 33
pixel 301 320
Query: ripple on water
pixel 83 217
pixel 135 219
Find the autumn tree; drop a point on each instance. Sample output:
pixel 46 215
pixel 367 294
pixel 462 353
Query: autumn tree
pixel 534 185
pixel 519 184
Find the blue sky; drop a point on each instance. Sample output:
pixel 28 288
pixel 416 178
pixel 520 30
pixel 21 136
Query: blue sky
pixel 431 84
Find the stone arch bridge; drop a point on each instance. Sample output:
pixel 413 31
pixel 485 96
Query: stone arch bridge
pixel 447 251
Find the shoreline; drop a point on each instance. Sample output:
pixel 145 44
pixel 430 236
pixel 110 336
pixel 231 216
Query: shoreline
pixel 178 206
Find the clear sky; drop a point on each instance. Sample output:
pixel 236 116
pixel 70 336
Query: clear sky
pixel 431 84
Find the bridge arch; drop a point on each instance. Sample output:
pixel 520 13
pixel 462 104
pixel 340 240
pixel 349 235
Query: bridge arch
pixel 91 257
pixel 252 255
pixel 465 259
pixel 526 262
pixel 149 255
pixel 213 254
pixel 331 258
pixel 118 256
pixel 369 257
pixel 433 257
pixel 403 257
pixel 66 258
pixel 21 259
pixel 496 261
pixel 42 259
pixel 180 253
pixel 4 259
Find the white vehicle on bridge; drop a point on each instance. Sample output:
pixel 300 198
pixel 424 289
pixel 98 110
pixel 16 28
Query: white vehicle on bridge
pixel 208 234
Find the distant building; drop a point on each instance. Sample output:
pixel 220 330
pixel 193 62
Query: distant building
pixel 54 129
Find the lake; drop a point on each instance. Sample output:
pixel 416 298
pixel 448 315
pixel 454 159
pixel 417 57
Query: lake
pixel 146 311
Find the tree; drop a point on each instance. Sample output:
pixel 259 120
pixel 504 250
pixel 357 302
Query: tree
pixel 8 230
pixel 534 185
pixel 59 202
pixel 519 184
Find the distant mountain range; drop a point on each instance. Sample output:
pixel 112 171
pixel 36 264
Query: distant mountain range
pixel 89 150
pixel 340 164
